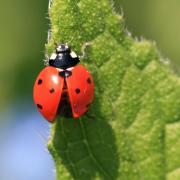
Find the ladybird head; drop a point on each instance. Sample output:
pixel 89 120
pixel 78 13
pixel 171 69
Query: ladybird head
pixel 62 48
pixel 63 57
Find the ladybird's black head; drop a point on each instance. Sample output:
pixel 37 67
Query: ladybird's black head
pixel 63 57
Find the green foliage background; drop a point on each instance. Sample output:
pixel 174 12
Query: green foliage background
pixel 23 33
pixel 156 20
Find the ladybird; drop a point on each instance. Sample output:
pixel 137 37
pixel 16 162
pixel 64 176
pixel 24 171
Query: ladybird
pixel 64 87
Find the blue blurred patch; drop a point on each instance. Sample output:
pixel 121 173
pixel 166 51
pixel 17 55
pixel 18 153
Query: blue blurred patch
pixel 23 152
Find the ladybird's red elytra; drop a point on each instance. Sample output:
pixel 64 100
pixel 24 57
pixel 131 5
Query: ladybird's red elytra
pixel 63 88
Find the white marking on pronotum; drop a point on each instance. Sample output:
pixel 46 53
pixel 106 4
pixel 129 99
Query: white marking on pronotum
pixel 73 54
pixel 70 69
pixel 60 70
pixel 53 56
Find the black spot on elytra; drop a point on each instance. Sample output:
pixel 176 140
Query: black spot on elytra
pixel 39 106
pixel 78 91
pixel 39 81
pixel 89 81
pixel 52 90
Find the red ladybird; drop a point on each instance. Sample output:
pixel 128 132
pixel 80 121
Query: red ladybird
pixel 64 87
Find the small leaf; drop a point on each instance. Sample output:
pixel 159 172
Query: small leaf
pixel 132 129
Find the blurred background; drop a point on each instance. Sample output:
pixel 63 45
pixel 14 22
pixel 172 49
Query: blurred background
pixel 23 32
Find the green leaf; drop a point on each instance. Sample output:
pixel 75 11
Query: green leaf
pixel 132 129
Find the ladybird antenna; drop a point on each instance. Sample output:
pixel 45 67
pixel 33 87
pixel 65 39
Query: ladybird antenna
pixel 83 49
